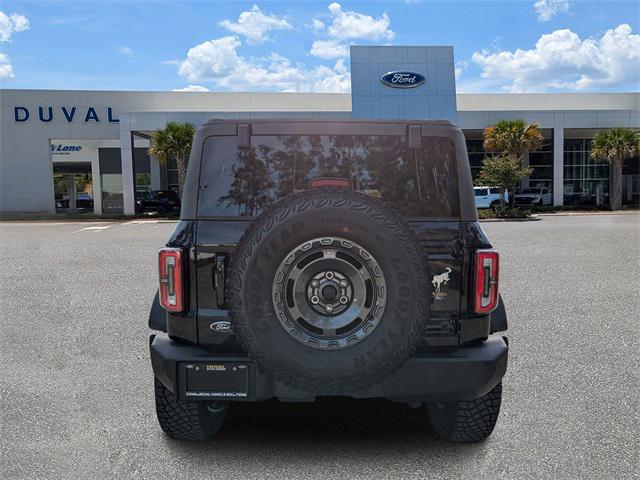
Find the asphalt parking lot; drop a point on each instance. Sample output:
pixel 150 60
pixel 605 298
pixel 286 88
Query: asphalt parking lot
pixel 76 384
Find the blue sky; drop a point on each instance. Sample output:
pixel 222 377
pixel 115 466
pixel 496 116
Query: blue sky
pixel 512 46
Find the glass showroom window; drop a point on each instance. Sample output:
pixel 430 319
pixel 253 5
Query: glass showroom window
pixel 586 181
pixel 172 175
pixel 541 161
pixel 476 152
pixel 111 180
pixel 143 182
pixel 112 195
pixel 631 182
pixel 476 156
pixel 142 169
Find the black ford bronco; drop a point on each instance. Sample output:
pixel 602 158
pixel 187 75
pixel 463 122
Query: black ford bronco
pixel 328 258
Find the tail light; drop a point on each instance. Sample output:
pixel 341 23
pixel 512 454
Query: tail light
pixel 170 268
pixel 486 281
pixel 320 182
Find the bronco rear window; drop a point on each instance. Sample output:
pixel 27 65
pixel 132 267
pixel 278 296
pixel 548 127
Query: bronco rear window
pixel 239 181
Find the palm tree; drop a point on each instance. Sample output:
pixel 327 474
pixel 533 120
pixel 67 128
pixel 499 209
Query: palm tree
pixel 615 145
pixel 512 139
pixel 515 138
pixel 174 141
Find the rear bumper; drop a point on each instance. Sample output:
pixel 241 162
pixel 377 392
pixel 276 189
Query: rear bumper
pixel 444 374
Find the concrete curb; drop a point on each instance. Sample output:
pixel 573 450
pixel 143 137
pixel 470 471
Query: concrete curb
pixel 527 219
pixel 576 214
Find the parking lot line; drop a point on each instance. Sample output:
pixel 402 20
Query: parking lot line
pixel 94 228
pixel 139 222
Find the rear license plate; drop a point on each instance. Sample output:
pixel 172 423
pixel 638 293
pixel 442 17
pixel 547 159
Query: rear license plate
pixel 217 380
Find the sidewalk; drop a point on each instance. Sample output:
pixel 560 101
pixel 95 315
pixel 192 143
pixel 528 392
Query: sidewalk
pixel 593 212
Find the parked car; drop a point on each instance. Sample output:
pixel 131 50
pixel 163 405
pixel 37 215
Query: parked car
pixel 84 200
pixel 283 281
pixel 534 196
pixel 162 202
pixel 62 200
pixel 488 197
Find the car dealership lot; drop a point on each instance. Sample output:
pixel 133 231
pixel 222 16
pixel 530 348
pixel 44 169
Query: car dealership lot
pixel 76 387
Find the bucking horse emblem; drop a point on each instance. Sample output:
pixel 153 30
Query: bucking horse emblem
pixel 440 280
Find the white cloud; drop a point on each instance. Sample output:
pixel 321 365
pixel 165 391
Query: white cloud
pixel 255 24
pixel 6 70
pixel 547 9
pixel 336 79
pixel 218 61
pixel 351 25
pixel 20 22
pixel 210 60
pixel 561 60
pixel 10 24
pixel 126 51
pixel 192 88
pixel 347 25
pixel 317 25
pixel 328 49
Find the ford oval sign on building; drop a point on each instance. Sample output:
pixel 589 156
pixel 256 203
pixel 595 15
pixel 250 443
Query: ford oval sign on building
pixel 401 79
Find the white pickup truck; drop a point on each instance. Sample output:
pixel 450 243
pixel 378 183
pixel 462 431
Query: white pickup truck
pixel 534 196
pixel 488 197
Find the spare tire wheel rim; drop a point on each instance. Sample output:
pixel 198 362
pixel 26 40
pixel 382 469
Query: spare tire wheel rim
pixel 329 293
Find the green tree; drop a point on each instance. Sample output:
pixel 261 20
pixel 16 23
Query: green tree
pixel 174 141
pixel 515 138
pixel 512 138
pixel 504 172
pixel 615 145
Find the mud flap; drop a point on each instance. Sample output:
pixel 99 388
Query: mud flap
pixel 499 318
pixel 157 316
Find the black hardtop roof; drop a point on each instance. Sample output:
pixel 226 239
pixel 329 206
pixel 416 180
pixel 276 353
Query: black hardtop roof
pixel 215 121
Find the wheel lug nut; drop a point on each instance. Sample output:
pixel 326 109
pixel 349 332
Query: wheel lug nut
pixel 315 283
pixel 328 275
pixel 343 300
pixel 329 308
pixel 343 283
pixel 315 300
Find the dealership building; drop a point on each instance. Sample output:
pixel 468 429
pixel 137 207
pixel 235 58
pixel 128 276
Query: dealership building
pixel 64 151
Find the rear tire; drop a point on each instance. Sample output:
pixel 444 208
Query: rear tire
pixel 469 421
pixel 188 420
pixel 494 205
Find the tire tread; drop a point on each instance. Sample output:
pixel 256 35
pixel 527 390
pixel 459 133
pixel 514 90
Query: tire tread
pixel 376 209
pixel 183 420
pixel 467 421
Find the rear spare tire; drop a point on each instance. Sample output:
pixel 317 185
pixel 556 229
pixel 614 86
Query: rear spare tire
pixel 329 290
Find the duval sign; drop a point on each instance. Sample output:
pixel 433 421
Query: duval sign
pixel 47 114
pixel 403 79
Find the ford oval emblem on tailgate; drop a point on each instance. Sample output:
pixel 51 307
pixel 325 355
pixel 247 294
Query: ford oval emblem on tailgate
pixel 221 326
pixel 402 79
